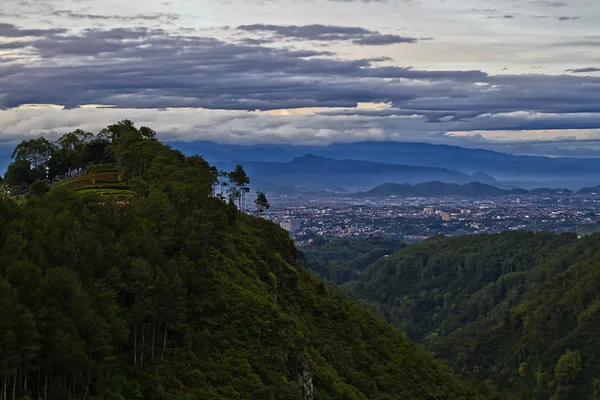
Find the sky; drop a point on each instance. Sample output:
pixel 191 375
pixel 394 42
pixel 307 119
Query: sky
pixel 520 76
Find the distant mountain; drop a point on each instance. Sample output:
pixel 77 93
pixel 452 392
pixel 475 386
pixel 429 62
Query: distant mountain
pixel 550 191
pixel 215 152
pixel 311 172
pixel 524 171
pixel 432 189
pixel 590 190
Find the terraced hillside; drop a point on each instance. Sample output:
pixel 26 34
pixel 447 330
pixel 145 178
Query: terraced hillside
pixel 104 182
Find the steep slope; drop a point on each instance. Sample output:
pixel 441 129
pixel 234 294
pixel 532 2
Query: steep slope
pixel 179 296
pixel 343 260
pixel 518 308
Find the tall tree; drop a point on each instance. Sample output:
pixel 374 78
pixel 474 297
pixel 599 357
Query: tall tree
pixel 36 151
pixel 19 175
pixel 238 182
pixel 223 183
pixel 261 203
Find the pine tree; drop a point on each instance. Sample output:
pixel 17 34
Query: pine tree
pixel 261 203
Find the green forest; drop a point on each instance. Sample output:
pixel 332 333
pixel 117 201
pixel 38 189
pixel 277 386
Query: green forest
pixel 343 260
pixel 517 312
pixel 167 291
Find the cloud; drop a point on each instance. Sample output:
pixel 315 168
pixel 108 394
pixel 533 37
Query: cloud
pixel 169 17
pixel 549 3
pixel 583 70
pixel 11 31
pixel 149 68
pixel 356 35
pixel 506 16
pixel 209 88
pixel 243 127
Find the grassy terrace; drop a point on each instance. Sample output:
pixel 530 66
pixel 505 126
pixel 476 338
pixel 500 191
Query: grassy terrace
pixel 104 182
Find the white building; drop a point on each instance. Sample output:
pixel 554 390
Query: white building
pixel 290 225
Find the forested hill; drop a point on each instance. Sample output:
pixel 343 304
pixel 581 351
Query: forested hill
pixel 343 260
pixel 519 309
pixel 174 294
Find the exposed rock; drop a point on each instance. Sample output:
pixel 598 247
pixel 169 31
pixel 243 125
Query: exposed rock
pixel 305 377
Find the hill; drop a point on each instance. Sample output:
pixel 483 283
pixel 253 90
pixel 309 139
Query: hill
pixel 590 190
pixel 432 189
pixel 180 296
pixel 519 309
pixel 343 260
pixel 473 189
pixel 311 172
pixel 524 171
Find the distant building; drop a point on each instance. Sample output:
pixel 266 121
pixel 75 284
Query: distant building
pixel 428 210
pixel 446 217
pixel 290 225
pixel 353 229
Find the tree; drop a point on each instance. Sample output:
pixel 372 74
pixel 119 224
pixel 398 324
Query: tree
pixel 238 182
pixel 568 367
pixel 261 203
pixel 36 151
pixel 72 145
pixel 223 177
pixel 19 175
pixel 98 151
pixel 38 187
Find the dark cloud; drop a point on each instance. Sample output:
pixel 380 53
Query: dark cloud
pixel 564 18
pixel 146 68
pixel 11 31
pixel 549 3
pixel 379 40
pixel 356 35
pixel 507 16
pixel 583 70
pixel 101 17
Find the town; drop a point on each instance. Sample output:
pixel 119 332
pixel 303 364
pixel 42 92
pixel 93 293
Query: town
pixel 415 219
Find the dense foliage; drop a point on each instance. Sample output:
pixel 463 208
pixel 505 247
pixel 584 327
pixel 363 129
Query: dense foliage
pixel 343 260
pixel 519 309
pixel 177 295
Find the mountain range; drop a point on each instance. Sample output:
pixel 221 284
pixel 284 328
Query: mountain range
pixel 512 170
pixel 311 172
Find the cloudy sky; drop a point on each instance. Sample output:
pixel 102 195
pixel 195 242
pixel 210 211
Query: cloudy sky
pixel 515 75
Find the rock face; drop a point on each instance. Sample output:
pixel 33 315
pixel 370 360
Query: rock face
pixel 305 377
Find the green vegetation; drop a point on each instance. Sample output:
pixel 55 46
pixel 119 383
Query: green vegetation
pixel 518 310
pixel 343 260
pixel 180 296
